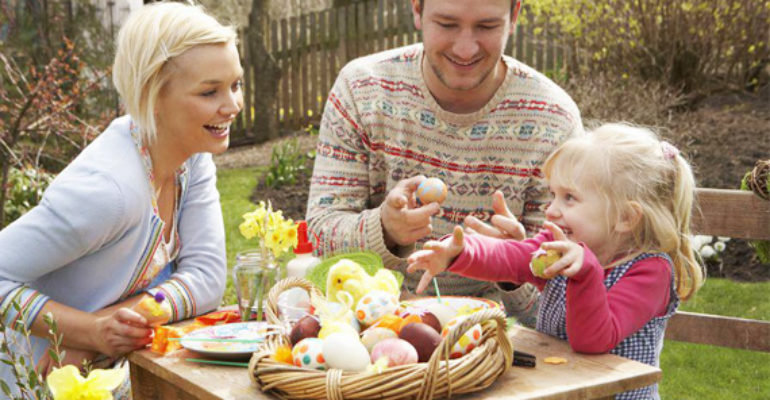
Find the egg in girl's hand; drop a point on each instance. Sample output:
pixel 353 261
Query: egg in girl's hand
pixel 431 190
pixel 467 342
pixel 424 339
pixel 376 334
pixel 397 351
pixel 542 259
pixel 374 305
pixel 308 353
pixel 345 352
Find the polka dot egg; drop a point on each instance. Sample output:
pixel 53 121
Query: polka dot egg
pixel 308 353
pixel 374 305
pixel 467 342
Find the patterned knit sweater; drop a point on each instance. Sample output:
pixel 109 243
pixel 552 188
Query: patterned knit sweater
pixel 382 125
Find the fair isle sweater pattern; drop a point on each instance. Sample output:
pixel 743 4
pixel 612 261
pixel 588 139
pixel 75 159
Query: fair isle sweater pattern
pixel 382 125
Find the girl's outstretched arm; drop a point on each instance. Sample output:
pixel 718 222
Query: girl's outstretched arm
pixel 435 257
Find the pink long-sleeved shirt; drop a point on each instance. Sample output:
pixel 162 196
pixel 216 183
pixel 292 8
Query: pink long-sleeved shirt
pixel 597 319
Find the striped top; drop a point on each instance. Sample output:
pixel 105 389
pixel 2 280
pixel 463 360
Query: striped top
pixel 382 125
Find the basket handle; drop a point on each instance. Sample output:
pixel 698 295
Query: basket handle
pixel 282 285
pixel 485 317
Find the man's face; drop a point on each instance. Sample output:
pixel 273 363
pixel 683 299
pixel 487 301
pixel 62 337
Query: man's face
pixel 463 40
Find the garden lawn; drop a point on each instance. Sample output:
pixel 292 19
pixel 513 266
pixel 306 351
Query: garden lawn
pixel 689 371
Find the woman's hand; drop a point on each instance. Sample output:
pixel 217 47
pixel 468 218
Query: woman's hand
pixel 435 257
pixel 504 224
pixel 120 332
pixel 72 356
pixel 571 260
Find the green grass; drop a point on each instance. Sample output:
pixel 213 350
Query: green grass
pixel 693 371
pixel 235 187
pixel 689 371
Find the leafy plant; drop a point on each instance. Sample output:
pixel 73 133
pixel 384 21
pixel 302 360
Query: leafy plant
pixel 287 162
pixel 695 45
pixel 25 187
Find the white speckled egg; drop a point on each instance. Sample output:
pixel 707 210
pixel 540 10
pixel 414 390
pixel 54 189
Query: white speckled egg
pixel 345 352
pixel 467 342
pixel 376 334
pixel 374 305
pixel 308 353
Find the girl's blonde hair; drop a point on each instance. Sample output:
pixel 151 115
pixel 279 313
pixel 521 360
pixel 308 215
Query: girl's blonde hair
pixel 152 36
pixel 627 165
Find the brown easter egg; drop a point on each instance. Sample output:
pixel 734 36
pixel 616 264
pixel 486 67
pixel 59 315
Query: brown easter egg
pixel 307 326
pixel 423 337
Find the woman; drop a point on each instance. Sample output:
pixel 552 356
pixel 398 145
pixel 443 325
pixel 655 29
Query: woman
pixel 137 212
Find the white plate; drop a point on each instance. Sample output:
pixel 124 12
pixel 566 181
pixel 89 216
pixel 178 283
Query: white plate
pixel 228 350
pixel 458 303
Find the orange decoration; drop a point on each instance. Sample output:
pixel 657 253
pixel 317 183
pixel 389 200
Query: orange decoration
pixel 219 317
pixel 390 321
pixel 408 320
pixel 161 343
pixel 283 354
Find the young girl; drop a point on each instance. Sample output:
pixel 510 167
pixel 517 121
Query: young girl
pixel 620 218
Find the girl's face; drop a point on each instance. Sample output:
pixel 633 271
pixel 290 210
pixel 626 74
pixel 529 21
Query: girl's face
pixel 200 100
pixel 583 216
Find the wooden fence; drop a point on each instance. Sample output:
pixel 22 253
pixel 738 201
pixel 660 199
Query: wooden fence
pixel 309 51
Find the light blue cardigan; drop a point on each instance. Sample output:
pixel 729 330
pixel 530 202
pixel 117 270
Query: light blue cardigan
pixel 88 243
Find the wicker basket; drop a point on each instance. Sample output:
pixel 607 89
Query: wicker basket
pixel 438 378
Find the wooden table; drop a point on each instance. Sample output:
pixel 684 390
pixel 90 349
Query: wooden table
pixel 582 377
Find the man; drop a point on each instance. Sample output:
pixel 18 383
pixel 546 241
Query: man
pixel 452 107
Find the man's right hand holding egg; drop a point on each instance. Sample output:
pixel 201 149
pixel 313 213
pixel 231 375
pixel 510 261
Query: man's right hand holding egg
pixel 404 222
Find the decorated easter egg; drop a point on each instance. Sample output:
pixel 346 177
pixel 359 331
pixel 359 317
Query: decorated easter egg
pixel 424 316
pixel 424 339
pixel 390 321
pixel 467 342
pixel 344 352
pixel 374 305
pixel 376 334
pixel 431 190
pixel 542 259
pixel 397 351
pixel 307 326
pixel 308 353
pixel 442 311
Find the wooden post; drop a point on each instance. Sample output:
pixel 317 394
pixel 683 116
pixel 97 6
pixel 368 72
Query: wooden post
pixel 267 73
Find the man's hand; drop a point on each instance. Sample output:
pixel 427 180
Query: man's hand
pixel 403 223
pixel 435 257
pixel 504 224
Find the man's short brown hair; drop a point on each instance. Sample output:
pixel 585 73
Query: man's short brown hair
pixel 513 4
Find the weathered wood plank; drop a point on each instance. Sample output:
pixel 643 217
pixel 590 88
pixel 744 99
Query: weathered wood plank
pixel 717 330
pixel 732 213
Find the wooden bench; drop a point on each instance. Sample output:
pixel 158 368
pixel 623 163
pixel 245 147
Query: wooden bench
pixel 735 214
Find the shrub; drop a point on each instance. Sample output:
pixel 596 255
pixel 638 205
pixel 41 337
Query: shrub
pixel 287 162
pixel 25 188
pixel 695 45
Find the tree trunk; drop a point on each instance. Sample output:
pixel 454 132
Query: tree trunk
pixel 267 74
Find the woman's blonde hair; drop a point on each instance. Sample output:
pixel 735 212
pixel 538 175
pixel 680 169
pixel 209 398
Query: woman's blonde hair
pixel 630 165
pixel 152 36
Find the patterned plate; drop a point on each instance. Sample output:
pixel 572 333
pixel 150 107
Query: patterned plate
pixel 458 303
pixel 227 350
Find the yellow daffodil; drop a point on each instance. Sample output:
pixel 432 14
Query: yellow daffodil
pixel 274 232
pixel 67 384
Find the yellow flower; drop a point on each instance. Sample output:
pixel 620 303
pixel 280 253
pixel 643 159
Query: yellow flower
pixel 67 384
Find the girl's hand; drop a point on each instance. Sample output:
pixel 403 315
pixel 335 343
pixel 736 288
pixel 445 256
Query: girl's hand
pixel 71 357
pixel 435 257
pixel 572 253
pixel 120 332
pixel 503 225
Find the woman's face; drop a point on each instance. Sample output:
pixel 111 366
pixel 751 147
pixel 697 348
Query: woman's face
pixel 199 101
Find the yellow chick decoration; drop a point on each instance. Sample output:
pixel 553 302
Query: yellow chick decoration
pixel 348 276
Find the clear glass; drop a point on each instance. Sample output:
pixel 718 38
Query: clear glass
pixel 253 276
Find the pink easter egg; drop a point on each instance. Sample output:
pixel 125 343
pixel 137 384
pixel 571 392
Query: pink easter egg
pixel 398 352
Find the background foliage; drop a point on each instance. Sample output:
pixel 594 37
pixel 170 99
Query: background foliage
pixel 693 45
